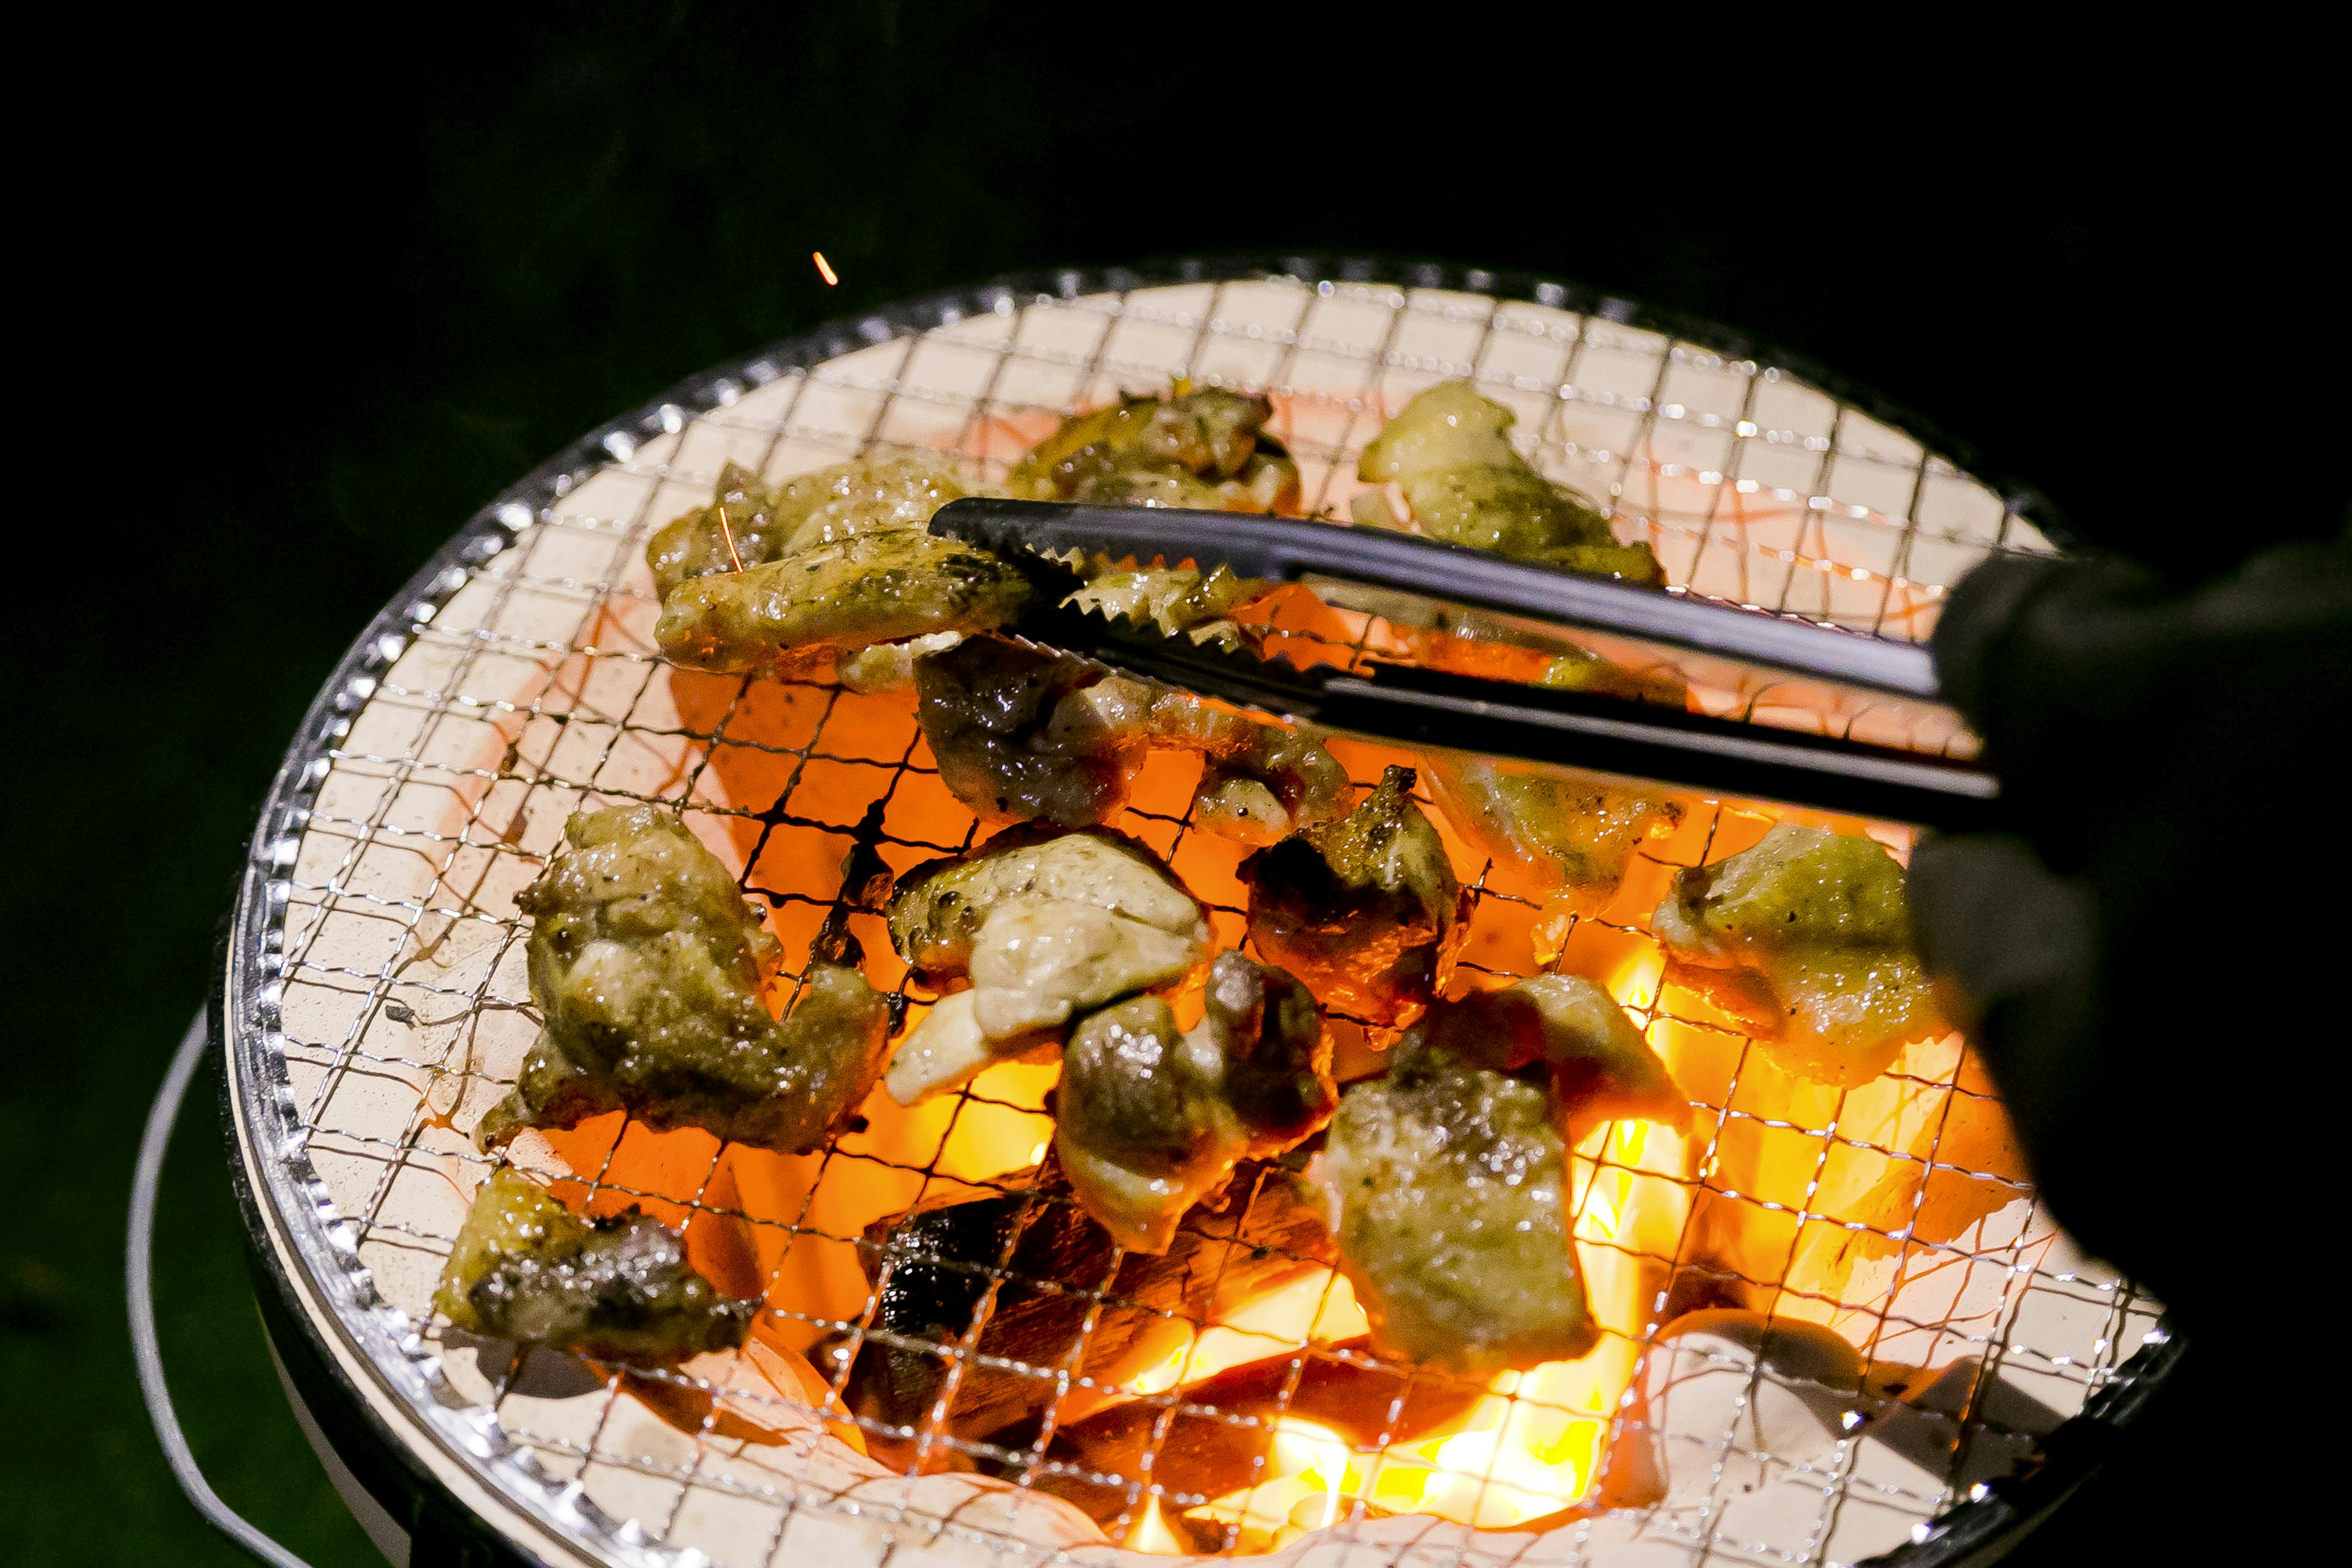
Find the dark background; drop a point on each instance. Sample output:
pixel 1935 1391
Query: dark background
pixel 327 296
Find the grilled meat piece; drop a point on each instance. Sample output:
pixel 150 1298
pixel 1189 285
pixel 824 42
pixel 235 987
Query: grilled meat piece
pixel 1367 910
pixel 1467 484
pixel 1176 599
pixel 647 964
pixel 1046 925
pixel 1205 448
pixel 1447 1179
pixel 1023 736
pixel 1575 837
pixel 765 522
pixel 1147 1121
pixel 788 614
pixel 524 1268
pixel 1806 939
pixel 1052 1268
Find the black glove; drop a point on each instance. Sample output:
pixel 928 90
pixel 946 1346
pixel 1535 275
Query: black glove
pixel 2149 961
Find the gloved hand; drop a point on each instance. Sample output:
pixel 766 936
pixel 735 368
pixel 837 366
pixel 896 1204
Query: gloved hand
pixel 2149 961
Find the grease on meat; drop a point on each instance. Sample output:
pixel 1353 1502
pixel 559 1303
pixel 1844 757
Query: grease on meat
pixel 1149 1120
pixel 1046 926
pixel 1806 939
pixel 647 966
pixel 1366 911
pixel 1573 837
pixel 524 1268
pixel 1466 483
pixel 1025 736
pixel 767 523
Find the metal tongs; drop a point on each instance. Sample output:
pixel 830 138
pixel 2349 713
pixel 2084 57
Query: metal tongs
pixel 1428 583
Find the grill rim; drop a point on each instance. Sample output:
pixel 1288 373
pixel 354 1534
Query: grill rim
pixel 336 1289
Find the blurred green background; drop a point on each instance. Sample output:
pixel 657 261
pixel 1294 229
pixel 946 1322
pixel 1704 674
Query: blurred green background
pixel 331 293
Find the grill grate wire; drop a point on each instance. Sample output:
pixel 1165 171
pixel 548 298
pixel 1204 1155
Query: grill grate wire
pixel 597 722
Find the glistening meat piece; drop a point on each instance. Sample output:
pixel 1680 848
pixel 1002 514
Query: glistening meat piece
pixel 1573 837
pixel 835 599
pixel 1366 911
pixel 1806 939
pixel 648 965
pixel 750 523
pixel 1149 1120
pixel 1447 1179
pixel 1466 483
pixel 524 1268
pixel 1067 1298
pixel 1046 926
pixel 1206 449
pixel 1023 736
pixel 1175 599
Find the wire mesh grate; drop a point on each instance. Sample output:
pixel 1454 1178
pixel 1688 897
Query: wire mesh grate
pixel 524 685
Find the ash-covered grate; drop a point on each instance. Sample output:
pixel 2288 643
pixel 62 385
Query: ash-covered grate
pixel 377 985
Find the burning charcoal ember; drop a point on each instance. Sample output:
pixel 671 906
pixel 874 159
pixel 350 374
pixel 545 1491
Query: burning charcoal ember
pixel 1025 736
pixel 1149 1120
pixel 1206 449
pixel 933 1269
pixel 1574 837
pixel 1466 483
pixel 1447 1179
pixel 648 965
pixel 1725 1402
pixel 1219 1431
pixel 787 616
pixel 1046 926
pixel 1367 910
pixel 749 524
pixel 525 1268
pixel 1806 939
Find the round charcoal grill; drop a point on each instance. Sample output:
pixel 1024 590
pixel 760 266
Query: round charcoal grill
pixel 373 1004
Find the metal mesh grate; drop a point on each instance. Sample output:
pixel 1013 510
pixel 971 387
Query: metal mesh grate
pixel 521 684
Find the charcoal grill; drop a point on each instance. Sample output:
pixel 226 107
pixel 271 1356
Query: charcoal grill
pixel 372 1001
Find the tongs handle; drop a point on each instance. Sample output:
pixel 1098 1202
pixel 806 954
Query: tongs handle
pixel 1287 549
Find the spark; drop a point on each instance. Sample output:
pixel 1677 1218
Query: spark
pixel 824 268
pixel 728 528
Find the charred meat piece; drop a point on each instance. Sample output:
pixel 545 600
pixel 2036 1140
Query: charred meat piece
pixel 1220 1429
pixel 791 613
pixel 1447 1179
pixel 1046 926
pixel 1566 1028
pixel 749 524
pixel 1806 939
pixel 1573 837
pixel 1205 448
pixel 1052 1268
pixel 647 966
pixel 524 1268
pixel 1468 485
pixel 1023 736
pixel 1149 1120
pixel 1367 910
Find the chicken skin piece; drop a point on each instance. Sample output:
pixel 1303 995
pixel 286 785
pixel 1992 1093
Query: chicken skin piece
pixel 1206 449
pixel 1367 910
pixel 1025 736
pixel 788 615
pixel 524 1268
pixel 647 966
pixel 1179 600
pixel 766 522
pixel 1574 837
pixel 1806 939
pixel 1468 485
pixel 1046 926
pixel 1149 1120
